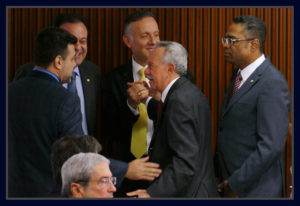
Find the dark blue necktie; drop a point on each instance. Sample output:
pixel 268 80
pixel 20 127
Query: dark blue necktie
pixel 72 84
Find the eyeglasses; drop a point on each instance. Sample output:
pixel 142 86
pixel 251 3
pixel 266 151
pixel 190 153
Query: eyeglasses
pixel 103 181
pixel 106 180
pixel 231 41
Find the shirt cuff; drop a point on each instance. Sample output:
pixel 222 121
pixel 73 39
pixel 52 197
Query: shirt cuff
pixel 134 111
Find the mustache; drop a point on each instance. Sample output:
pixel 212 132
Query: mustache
pixel 149 77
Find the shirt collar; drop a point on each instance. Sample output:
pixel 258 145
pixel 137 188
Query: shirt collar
pixel 136 66
pixel 166 90
pixel 76 70
pixel 47 72
pixel 248 70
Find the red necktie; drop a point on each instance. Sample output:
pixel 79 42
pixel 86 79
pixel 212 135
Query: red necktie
pixel 237 83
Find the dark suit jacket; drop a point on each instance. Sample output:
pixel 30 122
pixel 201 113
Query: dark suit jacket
pixel 181 144
pixel 40 111
pixel 252 134
pixel 90 75
pixel 117 118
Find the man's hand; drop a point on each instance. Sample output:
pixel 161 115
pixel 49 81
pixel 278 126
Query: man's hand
pixel 224 187
pixel 155 94
pixel 140 169
pixel 137 92
pixel 139 193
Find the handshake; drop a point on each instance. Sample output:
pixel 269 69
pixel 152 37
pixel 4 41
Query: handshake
pixel 139 92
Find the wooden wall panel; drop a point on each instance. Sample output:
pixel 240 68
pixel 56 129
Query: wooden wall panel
pixel 198 29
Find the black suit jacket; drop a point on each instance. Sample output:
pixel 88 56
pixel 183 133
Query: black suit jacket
pixel 90 75
pixel 40 111
pixel 181 144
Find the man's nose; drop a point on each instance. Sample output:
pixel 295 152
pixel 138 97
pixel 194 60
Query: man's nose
pixel 153 40
pixel 77 46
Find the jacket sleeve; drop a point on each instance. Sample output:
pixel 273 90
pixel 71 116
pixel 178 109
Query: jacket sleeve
pixel 70 117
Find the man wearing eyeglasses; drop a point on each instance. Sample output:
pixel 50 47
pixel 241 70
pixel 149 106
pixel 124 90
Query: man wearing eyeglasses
pixel 254 117
pixel 87 175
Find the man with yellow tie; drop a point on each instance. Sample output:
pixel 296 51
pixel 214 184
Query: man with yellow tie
pixel 126 127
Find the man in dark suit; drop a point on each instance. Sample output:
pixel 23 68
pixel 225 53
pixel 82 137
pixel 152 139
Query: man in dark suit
pixel 181 143
pixel 40 111
pixel 87 73
pixel 254 117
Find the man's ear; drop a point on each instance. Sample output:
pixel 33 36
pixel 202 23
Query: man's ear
pixel 171 67
pixel 255 44
pixel 58 62
pixel 77 190
pixel 127 40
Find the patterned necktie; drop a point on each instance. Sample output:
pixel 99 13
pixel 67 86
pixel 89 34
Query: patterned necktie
pixel 237 83
pixel 139 129
pixel 72 84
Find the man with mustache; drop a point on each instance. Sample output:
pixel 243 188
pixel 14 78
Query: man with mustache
pixel 254 116
pixel 181 142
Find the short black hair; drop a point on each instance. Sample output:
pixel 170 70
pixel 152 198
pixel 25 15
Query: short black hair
pixel 255 27
pixel 136 16
pixel 50 43
pixel 70 18
pixel 68 146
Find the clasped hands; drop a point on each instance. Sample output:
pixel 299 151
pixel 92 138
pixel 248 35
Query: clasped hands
pixel 139 92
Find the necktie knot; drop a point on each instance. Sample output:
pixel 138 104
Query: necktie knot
pixel 142 73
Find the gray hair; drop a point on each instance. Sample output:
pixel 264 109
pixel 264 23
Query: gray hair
pixel 176 54
pixel 79 169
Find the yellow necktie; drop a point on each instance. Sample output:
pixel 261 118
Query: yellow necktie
pixel 139 129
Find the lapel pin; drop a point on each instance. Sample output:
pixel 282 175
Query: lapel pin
pixel 88 80
pixel 251 80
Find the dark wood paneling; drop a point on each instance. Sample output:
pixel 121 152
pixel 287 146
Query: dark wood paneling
pixel 198 29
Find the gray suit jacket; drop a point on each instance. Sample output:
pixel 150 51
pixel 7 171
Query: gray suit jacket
pixel 181 144
pixel 252 134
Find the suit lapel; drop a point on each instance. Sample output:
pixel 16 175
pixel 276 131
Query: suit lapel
pixel 250 82
pixel 126 76
pixel 177 84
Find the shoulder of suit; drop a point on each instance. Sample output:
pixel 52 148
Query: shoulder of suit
pixel 88 65
pixel 122 69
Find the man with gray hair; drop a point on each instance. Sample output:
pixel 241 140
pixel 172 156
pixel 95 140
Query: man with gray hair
pixel 87 175
pixel 181 142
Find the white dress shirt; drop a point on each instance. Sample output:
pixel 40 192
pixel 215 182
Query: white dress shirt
pixel 248 70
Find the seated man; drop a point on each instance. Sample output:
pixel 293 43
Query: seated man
pixel 67 146
pixel 87 175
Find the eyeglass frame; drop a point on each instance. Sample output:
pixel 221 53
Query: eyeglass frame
pixel 104 181
pixel 226 40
